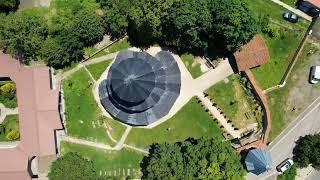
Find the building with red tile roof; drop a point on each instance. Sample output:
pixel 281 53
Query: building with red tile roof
pixel 253 54
pixel 39 117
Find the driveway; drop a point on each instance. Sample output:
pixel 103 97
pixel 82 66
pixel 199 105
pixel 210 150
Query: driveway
pixel 281 148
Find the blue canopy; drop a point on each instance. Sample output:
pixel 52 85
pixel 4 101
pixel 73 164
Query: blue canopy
pixel 258 161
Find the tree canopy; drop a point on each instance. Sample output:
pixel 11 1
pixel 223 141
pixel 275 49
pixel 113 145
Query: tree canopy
pixel 193 159
pixel 307 151
pixel 185 25
pixel 23 33
pixel 72 166
pixel 8 5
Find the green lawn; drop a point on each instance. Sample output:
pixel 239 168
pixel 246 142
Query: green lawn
pixel 11 122
pixel 89 51
pixel 190 121
pixel 233 100
pixel 281 51
pixel 84 118
pixel 118 46
pixel 119 162
pixel 97 69
pixel 281 114
pixel 281 48
pixel 192 66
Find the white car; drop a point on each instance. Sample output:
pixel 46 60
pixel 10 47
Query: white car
pixel 314 74
pixel 285 165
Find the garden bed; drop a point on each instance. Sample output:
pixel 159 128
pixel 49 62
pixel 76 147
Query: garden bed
pixel 9 128
pixel 8 95
pixel 110 164
pixel 236 101
pixel 190 121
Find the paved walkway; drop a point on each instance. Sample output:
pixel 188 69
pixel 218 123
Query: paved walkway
pixel 85 142
pixel 123 138
pixel 213 110
pixel 294 10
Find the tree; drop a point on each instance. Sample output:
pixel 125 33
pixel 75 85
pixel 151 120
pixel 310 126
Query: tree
pixel 307 151
pixel 193 159
pixel 23 33
pixel 72 166
pixel 88 26
pixel 233 24
pixel 8 5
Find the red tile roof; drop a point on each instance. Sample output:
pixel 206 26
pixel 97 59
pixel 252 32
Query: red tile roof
pixel 253 54
pixel 38 117
pixel 314 2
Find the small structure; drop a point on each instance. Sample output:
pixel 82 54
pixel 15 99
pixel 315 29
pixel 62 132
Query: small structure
pixel 311 7
pixel 140 88
pixel 258 161
pixel 253 54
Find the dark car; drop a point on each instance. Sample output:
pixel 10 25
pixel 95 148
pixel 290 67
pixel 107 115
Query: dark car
pixel 291 17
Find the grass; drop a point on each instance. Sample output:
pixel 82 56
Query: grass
pixel 84 118
pixel 89 51
pixel 281 48
pixel 190 121
pixel 97 69
pixel 281 115
pixel 233 100
pixel 290 2
pixel 11 122
pixel 289 174
pixel 118 46
pixel 281 51
pixel 108 161
pixel 192 66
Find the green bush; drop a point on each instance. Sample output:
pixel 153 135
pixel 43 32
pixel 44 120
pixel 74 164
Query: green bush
pixel 272 30
pixel 8 88
pixel 13 135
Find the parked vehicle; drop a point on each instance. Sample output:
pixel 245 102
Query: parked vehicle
pixel 314 76
pixel 285 165
pixel 289 16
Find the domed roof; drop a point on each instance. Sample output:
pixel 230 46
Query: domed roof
pixel 140 88
pixel 258 161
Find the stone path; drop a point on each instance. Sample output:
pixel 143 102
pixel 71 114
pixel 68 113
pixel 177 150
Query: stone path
pixel 222 121
pixel 294 10
pixel 6 111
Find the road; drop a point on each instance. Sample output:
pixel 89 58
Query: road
pixel 281 148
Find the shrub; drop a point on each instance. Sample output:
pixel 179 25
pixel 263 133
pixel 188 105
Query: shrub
pixel 273 30
pixel 8 88
pixel 13 135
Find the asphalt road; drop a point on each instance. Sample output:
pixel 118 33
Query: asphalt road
pixel 281 148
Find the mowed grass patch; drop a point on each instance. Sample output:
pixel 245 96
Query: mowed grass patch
pixel 288 102
pixel 235 102
pixel 281 50
pixel 121 163
pixel 190 121
pixel 97 69
pixel 192 66
pixel 89 52
pixel 118 46
pixel 84 118
pixel 10 123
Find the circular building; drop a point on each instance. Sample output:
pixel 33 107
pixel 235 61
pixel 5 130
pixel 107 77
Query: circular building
pixel 140 88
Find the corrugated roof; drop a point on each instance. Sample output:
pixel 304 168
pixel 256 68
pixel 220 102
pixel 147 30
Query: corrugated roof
pixel 253 54
pixel 38 116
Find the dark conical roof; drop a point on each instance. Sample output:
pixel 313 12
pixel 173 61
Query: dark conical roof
pixel 258 161
pixel 140 88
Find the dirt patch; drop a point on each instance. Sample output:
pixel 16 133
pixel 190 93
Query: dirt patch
pixel 302 93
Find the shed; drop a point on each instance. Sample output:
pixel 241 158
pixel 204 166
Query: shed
pixel 253 54
pixel 258 161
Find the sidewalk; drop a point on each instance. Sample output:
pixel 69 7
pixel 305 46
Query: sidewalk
pixel 296 11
